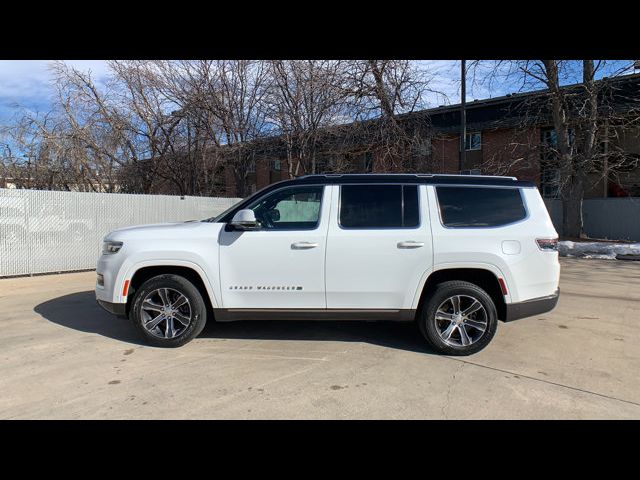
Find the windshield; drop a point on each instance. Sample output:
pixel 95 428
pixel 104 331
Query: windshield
pixel 220 216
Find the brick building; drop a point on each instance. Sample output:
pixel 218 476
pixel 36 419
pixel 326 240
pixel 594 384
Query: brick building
pixel 509 135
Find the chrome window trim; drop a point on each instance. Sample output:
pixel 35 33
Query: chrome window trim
pixel 417 185
pixel 524 204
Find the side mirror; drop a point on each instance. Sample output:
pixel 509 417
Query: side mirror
pixel 274 214
pixel 245 220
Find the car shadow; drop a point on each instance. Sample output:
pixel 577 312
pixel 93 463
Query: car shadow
pixel 79 311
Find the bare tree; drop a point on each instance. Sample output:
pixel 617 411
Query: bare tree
pixel 383 90
pixel 237 101
pixel 197 155
pixel 304 97
pixel 580 115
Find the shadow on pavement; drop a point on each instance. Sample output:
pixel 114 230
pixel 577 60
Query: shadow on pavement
pixel 80 311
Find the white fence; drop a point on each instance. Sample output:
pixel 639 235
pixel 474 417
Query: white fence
pixel 46 231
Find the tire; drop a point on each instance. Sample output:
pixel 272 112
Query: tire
pixel 466 335
pixel 165 291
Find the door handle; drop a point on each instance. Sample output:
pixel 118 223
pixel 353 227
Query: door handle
pixel 303 245
pixel 410 244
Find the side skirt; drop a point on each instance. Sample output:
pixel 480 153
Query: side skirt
pixel 234 314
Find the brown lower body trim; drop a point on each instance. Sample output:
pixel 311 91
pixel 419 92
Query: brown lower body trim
pixel 233 314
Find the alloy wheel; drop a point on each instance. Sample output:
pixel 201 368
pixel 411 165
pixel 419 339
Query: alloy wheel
pixel 166 313
pixel 461 320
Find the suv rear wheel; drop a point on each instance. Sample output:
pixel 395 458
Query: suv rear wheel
pixel 459 318
pixel 169 311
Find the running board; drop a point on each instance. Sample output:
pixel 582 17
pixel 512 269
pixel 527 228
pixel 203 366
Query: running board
pixel 233 314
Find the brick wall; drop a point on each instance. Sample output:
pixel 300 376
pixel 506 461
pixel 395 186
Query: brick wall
pixel 263 177
pixel 504 151
pixel 512 152
pixel 230 182
pixel 445 152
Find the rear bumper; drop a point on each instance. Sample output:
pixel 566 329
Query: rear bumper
pixel 114 308
pixel 530 308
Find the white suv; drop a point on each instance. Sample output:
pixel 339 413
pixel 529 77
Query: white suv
pixel 455 253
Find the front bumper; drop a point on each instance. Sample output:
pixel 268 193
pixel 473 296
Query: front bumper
pixel 119 309
pixel 530 308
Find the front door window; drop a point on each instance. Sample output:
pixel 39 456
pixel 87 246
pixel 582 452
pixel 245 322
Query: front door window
pixel 295 208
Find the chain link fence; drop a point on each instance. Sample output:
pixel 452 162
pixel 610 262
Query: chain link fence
pixel 46 231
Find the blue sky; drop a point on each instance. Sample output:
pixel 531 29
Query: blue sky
pixel 27 83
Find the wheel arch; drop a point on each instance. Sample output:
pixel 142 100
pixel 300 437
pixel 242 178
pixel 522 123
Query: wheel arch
pixel 140 273
pixel 484 278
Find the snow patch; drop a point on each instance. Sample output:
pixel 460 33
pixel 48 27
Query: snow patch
pixel 603 250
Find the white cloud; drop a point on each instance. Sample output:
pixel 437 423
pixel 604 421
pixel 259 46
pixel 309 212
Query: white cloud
pixel 28 82
pixel 444 81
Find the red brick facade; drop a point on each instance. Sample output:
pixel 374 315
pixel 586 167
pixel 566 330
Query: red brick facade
pixel 503 151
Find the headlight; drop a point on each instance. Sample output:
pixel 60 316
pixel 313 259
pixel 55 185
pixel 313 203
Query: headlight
pixel 109 247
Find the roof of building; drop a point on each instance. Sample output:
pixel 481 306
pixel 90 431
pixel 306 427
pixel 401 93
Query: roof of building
pixel 618 94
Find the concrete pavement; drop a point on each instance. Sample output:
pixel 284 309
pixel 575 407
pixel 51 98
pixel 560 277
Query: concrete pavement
pixel 63 357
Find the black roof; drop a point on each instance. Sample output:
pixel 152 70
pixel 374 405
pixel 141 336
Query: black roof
pixel 373 178
pixel 431 179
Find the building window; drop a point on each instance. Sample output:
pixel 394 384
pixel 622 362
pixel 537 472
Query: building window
pixel 550 182
pixel 368 162
pixel 473 141
pixel 549 137
pixel 275 165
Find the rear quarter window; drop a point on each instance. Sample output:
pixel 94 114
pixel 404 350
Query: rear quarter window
pixel 480 206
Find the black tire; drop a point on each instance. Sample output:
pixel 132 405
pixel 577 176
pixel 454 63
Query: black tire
pixel 444 291
pixel 196 305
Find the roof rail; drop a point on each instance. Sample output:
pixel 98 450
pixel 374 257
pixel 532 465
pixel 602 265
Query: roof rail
pixel 420 175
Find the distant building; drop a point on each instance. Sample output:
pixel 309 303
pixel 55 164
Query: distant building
pixel 509 135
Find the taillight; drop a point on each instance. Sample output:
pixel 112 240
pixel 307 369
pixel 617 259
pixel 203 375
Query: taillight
pixel 547 244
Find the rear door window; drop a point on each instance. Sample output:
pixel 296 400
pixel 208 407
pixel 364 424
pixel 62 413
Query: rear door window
pixel 480 206
pixel 379 206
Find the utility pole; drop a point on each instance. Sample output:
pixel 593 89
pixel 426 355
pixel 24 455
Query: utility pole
pixel 463 113
pixel 605 163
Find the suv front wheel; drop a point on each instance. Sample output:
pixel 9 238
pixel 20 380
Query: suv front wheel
pixel 169 311
pixel 459 318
